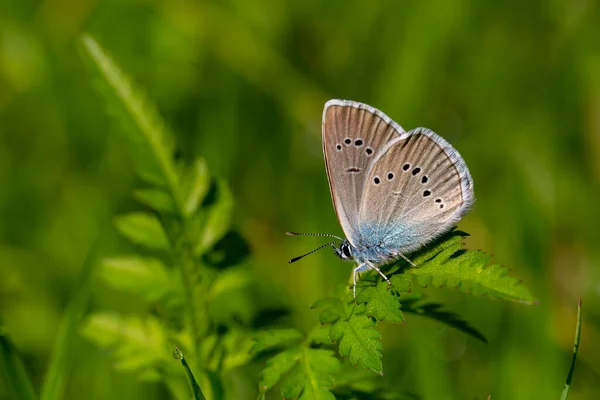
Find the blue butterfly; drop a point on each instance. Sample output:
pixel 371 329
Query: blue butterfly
pixel 393 191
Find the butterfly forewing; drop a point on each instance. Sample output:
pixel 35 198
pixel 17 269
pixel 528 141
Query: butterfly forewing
pixel 416 190
pixel 354 135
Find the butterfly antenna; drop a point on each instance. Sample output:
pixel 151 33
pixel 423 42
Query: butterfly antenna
pixel 313 234
pixel 312 251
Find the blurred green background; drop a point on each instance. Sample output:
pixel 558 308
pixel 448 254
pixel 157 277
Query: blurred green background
pixel 514 86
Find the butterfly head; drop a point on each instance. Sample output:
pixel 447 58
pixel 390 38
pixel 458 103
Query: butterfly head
pixel 341 251
pixel 344 251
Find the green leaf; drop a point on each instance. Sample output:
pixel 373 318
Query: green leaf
pixel 434 311
pixel 194 185
pixel 156 199
pixel 447 264
pixel 312 377
pixel 275 337
pixel 151 143
pixel 355 383
pixel 139 344
pixel 382 303
pixel 359 340
pixel 319 335
pixel 277 366
pixel 402 282
pixel 13 371
pixel 147 278
pixel 333 309
pixel 230 296
pixel 238 345
pixel 309 373
pixel 217 220
pixel 144 229
pixel 565 393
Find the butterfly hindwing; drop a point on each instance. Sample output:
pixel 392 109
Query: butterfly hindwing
pixel 414 192
pixel 354 134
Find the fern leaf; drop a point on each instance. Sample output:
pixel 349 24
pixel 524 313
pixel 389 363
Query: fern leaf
pixel 308 373
pixel 434 311
pixel 355 383
pixel 312 376
pixel 147 278
pixel 277 366
pixel 273 338
pixel 139 345
pixel 143 229
pixel 359 340
pixel 157 200
pixel 194 185
pixel 447 264
pixel 381 302
pixel 333 309
pixel 217 221
pixel 319 335
pixel 150 141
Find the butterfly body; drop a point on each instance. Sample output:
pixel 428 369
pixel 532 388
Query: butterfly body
pixel 393 191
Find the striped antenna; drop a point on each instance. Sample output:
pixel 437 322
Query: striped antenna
pixel 313 234
pixel 312 251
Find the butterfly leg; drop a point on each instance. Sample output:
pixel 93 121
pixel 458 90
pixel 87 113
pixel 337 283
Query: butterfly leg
pixel 372 266
pixel 360 268
pixel 407 260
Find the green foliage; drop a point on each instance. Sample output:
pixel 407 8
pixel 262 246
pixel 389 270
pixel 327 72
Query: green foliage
pixel 146 277
pixel 274 338
pixel 187 222
pixel 434 311
pixel 12 371
pixel 446 264
pixel 139 344
pixel 309 373
pixel 192 251
pixel 359 340
pixel 143 229
pixel 565 393
pixel 352 323
pixel 382 302
pixel 359 384
pixel 61 359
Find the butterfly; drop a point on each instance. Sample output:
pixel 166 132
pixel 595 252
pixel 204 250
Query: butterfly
pixel 393 191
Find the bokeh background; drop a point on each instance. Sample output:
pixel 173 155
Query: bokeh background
pixel 514 86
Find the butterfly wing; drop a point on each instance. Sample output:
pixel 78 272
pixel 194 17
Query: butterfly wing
pixel 354 134
pixel 415 191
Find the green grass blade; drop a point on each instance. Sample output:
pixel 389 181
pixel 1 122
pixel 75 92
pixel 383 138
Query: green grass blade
pixel 565 393
pixel 62 352
pixel 195 387
pixel 13 371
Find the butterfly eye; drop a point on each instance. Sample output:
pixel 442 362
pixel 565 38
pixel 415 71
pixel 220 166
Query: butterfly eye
pixel 346 251
pixel 338 147
pixel 390 176
pixel 424 179
pixel 347 141
pixel 438 200
pixel 416 171
pixel 406 167
pixel 376 180
pixel 358 142
pixel 369 151
pixel 426 193
pixel 441 206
